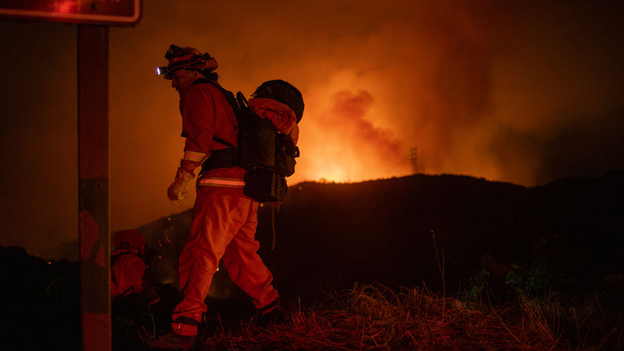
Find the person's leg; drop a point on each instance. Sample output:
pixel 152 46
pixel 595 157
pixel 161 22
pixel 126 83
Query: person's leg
pixel 219 213
pixel 245 266
pixel 186 259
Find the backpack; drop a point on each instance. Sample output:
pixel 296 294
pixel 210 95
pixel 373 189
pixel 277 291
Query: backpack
pixel 268 156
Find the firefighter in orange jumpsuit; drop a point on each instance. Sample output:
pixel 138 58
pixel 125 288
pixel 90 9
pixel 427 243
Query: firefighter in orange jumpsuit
pixel 224 218
pixel 129 286
pixel 128 267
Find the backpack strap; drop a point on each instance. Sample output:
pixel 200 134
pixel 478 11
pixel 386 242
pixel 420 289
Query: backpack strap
pixel 228 94
pixel 219 140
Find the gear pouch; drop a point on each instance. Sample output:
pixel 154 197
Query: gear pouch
pixel 265 186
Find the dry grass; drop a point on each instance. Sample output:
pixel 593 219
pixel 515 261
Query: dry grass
pixel 374 317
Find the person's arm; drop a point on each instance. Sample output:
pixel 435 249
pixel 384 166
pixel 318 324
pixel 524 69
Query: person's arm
pixel 198 113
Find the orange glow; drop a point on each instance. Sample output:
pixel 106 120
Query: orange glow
pixel 521 92
pixel 441 78
pixel 66 6
pixel 342 139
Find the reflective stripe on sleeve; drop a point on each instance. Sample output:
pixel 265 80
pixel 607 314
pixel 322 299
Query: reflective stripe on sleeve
pixel 194 156
pixel 226 182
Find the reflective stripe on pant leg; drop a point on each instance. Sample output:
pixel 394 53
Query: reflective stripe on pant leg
pixel 245 266
pixel 218 215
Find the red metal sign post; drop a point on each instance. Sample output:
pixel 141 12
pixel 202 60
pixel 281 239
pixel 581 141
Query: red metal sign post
pixel 93 183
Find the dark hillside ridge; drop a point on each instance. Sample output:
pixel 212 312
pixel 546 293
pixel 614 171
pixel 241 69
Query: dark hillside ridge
pixel 331 235
pixel 383 231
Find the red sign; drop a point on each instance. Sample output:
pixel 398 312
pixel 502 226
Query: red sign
pixel 107 12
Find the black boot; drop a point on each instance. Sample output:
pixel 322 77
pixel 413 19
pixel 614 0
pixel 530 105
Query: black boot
pixel 272 313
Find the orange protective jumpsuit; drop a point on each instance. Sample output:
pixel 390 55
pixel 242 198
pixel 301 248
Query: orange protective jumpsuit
pixel 224 218
pixel 128 270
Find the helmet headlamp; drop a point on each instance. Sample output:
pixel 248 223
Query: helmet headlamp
pixel 161 70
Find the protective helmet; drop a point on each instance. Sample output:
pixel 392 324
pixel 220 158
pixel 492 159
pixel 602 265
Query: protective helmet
pixel 187 58
pixel 283 92
pixel 129 240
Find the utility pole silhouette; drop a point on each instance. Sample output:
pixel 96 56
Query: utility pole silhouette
pixel 414 159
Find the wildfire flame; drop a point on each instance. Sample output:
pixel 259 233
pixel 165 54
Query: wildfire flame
pixel 341 143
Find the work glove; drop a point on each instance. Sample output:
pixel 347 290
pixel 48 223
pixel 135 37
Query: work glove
pixel 177 189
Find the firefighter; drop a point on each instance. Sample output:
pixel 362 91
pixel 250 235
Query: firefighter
pixel 128 268
pixel 224 218
pixel 133 297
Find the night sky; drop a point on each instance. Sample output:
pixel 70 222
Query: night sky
pixel 523 92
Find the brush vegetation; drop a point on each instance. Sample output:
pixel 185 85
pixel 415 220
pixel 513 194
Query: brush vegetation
pixel 375 317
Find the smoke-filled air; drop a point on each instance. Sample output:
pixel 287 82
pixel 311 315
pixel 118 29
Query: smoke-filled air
pixel 521 92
